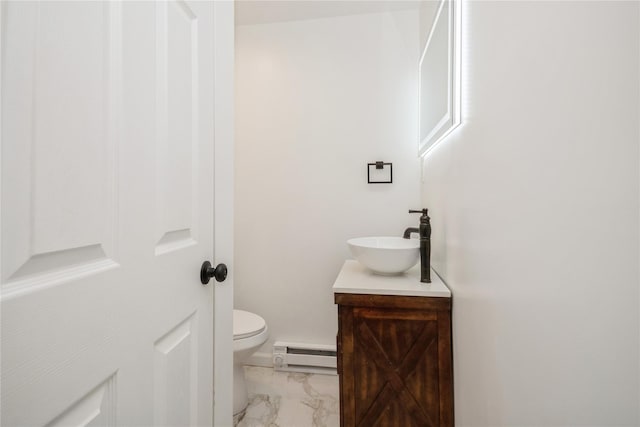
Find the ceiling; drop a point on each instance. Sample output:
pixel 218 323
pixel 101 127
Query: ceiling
pixel 266 11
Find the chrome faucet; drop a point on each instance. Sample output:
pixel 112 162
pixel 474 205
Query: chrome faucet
pixel 425 244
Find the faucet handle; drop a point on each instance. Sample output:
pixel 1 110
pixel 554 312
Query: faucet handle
pixel 424 219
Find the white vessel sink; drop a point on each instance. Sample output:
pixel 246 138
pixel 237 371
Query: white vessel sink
pixel 385 255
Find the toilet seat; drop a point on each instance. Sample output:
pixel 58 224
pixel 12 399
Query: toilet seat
pixel 246 324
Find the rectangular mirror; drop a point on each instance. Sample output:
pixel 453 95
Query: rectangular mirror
pixel 439 88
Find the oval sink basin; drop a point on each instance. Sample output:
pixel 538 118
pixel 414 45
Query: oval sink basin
pixel 385 255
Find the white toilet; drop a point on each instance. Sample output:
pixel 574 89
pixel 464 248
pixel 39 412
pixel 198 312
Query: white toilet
pixel 249 333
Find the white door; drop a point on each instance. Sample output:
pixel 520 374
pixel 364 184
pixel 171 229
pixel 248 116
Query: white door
pixel 107 213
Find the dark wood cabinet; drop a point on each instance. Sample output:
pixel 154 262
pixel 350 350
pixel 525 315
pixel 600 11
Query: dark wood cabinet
pixel 394 360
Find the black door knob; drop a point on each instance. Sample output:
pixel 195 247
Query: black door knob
pixel 207 272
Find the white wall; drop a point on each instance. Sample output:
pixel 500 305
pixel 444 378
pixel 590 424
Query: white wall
pixel 316 100
pixel 534 204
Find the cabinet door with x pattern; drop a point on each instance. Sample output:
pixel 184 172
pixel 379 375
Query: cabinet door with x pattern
pixel 396 365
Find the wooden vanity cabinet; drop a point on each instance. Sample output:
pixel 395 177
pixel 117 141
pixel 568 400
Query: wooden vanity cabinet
pixel 394 360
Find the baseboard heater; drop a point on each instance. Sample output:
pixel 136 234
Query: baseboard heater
pixel 312 358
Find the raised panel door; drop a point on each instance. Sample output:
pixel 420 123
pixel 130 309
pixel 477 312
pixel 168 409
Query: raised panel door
pixel 107 213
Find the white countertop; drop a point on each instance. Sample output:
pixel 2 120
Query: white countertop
pixel 354 278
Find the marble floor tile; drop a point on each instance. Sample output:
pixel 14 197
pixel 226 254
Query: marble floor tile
pixel 290 399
